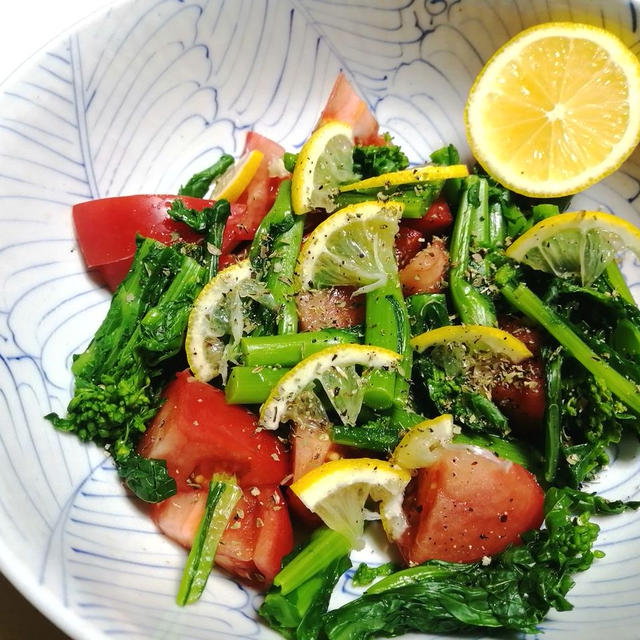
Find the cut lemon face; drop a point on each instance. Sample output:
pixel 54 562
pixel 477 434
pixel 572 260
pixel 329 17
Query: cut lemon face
pixel 578 244
pixel 335 368
pixel 338 490
pixel 324 163
pixel 409 176
pixel 230 185
pixel 475 338
pixel 217 312
pixel 352 247
pixel 556 109
pixel 420 445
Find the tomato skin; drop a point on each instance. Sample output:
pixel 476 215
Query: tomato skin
pixel 334 307
pixel 257 198
pixel 193 432
pixel 436 221
pixel 346 105
pixel 532 337
pixel 469 505
pixel 426 271
pixel 253 544
pixel 311 447
pixel 408 242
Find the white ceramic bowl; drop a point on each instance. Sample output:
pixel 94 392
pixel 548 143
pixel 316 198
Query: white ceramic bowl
pixel 136 102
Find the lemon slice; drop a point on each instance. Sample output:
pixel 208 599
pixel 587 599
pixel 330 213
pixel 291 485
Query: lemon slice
pixel 324 162
pixel 578 244
pixel 555 109
pixel 409 176
pixel 354 246
pixel 474 338
pixel 335 368
pixel 419 446
pixel 337 492
pixel 230 185
pixel 217 312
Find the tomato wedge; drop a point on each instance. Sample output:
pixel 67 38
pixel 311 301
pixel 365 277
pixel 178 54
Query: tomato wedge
pixel 253 544
pixel 106 229
pixel 346 105
pixel 468 505
pixel 198 434
pixel 259 195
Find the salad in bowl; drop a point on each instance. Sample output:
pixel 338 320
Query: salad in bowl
pixel 299 344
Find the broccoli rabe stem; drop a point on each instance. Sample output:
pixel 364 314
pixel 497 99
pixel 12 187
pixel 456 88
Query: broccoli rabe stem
pixel 523 299
pixel 415 204
pixel 325 546
pixel 252 385
pixel 472 306
pixel 387 325
pixel 288 350
pixel 618 283
pixel 552 417
pixel 274 253
pixel 199 183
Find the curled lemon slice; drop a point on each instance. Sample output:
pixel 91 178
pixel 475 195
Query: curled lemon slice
pixel 474 338
pixel 338 490
pixel 324 162
pixel 230 185
pixel 354 246
pixel 556 109
pixel 217 312
pixel 419 446
pixel 416 175
pixel 334 368
pixel 578 244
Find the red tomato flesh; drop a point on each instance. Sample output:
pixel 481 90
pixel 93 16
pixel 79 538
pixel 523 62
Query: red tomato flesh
pixel 198 434
pixel 408 243
pixel 252 546
pixel 469 505
pixel 335 307
pixel 427 270
pixel 346 105
pixel 435 221
pixel 258 197
pixel 106 229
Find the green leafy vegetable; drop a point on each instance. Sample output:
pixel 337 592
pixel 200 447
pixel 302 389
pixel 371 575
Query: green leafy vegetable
pixel 365 574
pixel 146 477
pixel 375 160
pixel 199 184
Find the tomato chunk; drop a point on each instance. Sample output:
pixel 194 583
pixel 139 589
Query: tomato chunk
pixel 427 270
pixel 311 447
pixel 408 242
pixel 346 105
pixel 259 195
pixel 468 505
pixel 435 221
pixel 334 307
pixel 252 546
pixel 198 434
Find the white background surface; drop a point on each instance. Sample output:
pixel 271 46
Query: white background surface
pixel 26 26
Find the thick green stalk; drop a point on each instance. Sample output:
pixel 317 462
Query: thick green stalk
pixel 415 204
pixel 618 283
pixel 552 417
pixel 216 221
pixel 325 547
pixel 288 350
pixel 523 299
pixel 387 325
pixel 274 252
pixel 252 385
pixel 427 311
pixel 472 306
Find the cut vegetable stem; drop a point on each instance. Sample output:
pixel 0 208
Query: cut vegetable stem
pixel 252 385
